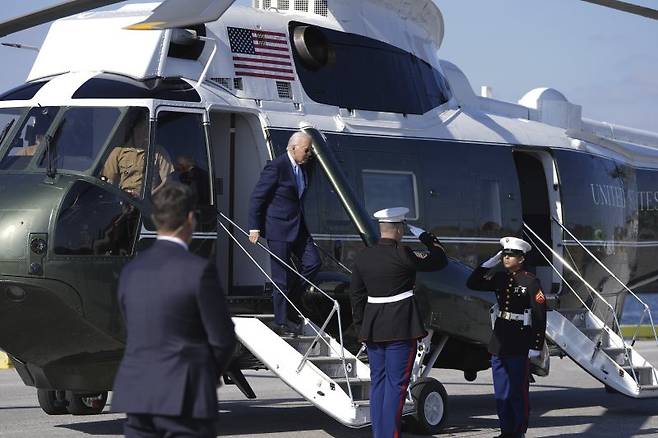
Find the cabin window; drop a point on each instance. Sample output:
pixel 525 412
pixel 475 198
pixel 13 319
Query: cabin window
pixel 95 222
pixel 181 137
pixel 385 188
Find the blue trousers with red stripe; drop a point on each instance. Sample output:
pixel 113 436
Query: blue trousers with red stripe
pixel 510 378
pixel 390 371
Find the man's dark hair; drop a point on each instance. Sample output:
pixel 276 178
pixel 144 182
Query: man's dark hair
pixel 171 205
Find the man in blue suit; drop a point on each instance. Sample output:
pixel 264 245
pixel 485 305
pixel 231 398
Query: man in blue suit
pixel 180 336
pixel 276 212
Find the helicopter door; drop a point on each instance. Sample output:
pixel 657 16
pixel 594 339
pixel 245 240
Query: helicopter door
pixel 239 152
pixel 181 154
pixel 540 200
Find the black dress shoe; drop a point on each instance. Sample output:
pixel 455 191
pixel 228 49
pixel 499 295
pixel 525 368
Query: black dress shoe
pixel 282 330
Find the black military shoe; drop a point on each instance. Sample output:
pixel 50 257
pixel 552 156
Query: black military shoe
pixel 282 330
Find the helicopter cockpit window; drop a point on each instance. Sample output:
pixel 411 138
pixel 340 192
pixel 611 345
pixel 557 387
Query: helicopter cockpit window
pixel 80 136
pixel 125 164
pixel 95 222
pixel 29 138
pixel 181 136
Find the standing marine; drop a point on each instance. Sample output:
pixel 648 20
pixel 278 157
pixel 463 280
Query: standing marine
pixel 387 316
pixel 518 334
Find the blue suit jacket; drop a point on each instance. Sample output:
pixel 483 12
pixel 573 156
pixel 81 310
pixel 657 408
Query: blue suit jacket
pixel 180 335
pixel 275 207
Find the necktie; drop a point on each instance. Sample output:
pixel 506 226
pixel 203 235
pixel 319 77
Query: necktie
pixel 299 179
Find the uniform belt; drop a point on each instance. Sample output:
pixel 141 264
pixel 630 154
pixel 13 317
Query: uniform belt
pixel 510 316
pixel 391 299
pixel 525 317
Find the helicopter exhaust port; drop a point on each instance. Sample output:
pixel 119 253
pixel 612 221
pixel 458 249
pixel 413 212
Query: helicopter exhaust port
pixel 313 47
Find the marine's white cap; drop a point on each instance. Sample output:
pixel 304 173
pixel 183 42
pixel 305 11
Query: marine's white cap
pixel 392 215
pixel 515 244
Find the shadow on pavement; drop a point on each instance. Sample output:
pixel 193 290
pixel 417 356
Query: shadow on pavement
pixel 468 414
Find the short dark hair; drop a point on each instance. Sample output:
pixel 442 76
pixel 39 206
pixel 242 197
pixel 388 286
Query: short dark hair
pixel 171 206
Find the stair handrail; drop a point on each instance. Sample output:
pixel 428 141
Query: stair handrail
pixel 597 294
pixel 335 308
pixel 633 294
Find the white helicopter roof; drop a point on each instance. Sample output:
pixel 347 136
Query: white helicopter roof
pixel 97 42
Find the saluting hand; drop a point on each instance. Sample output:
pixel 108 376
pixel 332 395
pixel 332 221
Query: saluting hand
pixel 493 261
pixel 254 236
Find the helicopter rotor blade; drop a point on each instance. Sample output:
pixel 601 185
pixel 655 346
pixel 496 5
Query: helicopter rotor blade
pixel 627 7
pixel 51 13
pixel 183 13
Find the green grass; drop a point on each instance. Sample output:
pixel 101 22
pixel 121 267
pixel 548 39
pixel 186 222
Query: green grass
pixel 644 332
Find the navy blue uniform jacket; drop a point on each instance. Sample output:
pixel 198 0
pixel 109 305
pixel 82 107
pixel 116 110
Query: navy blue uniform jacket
pixel 384 270
pixel 515 292
pixel 180 335
pixel 275 207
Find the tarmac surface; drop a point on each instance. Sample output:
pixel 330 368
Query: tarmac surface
pixel 566 403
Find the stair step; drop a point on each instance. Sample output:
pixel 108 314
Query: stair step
pixel 577 316
pixel 593 334
pixel 303 343
pixel 618 355
pixel 333 366
pixel 360 387
pixel 644 375
pixel 366 403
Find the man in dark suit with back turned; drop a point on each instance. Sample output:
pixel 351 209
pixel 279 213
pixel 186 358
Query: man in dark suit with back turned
pixel 276 212
pixel 180 336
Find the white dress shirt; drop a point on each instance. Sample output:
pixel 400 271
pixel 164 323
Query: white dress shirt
pixel 175 240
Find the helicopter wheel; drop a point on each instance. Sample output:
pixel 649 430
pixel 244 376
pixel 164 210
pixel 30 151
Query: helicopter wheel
pixel 86 404
pixel 431 404
pixel 52 402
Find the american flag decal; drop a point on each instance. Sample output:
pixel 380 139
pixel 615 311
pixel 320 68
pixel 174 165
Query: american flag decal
pixel 260 54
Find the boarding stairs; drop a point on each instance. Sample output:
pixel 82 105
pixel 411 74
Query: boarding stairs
pixel 590 333
pixel 316 365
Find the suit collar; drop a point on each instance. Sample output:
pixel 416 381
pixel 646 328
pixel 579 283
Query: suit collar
pixel 388 242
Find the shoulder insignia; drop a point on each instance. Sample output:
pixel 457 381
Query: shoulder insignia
pixel 421 254
pixel 528 274
pixel 539 297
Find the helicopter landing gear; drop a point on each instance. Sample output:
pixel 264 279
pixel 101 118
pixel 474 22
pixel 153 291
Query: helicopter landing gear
pixel 431 406
pixel 85 404
pixel 52 402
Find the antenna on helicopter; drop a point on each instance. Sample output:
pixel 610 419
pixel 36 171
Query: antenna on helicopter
pixel 20 46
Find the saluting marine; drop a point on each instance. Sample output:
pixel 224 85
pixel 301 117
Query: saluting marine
pixel 518 335
pixel 387 316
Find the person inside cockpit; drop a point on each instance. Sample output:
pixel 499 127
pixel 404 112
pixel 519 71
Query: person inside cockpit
pixel 125 165
pixel 33 136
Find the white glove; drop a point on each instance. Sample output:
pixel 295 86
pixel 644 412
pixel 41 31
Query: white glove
pixel 493 261
pixel 533 353
pixel 415 230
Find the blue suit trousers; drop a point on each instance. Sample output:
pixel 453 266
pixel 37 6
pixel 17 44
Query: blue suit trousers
pixel 510 378
pixel 390 370
pixel 306 252
pixel 159 426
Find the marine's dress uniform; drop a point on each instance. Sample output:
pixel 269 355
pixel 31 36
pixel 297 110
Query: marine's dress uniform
pixel 388 319
pixel 511 340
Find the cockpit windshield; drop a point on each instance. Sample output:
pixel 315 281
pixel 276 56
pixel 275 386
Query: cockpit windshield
pixel 68 139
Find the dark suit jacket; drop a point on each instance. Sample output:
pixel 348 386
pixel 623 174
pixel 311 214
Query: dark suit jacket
pixel 275 207
pixel 180 335
pixel 384 270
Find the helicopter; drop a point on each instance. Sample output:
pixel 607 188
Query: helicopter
pixel 205 92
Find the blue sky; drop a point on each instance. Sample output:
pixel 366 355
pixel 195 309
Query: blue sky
pixel 602 59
